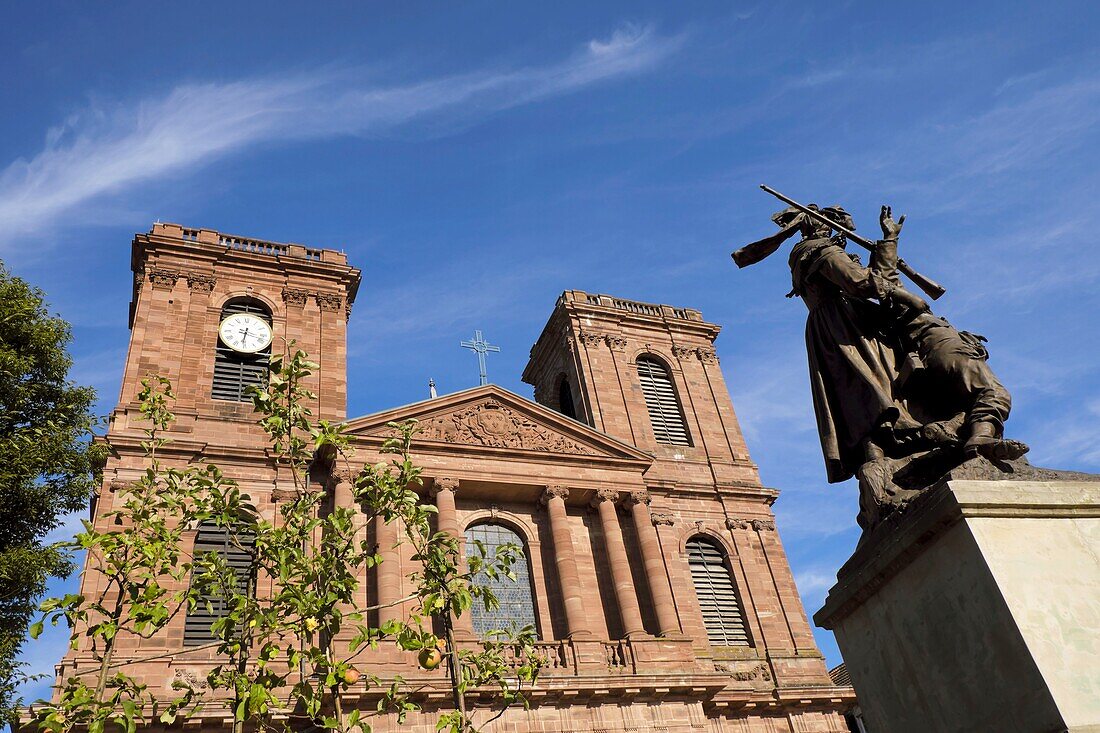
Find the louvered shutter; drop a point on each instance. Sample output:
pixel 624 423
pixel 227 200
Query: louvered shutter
pixel 660 399
pixel 718 599
pixel 565 399
pixel 211 538
pixel 235 372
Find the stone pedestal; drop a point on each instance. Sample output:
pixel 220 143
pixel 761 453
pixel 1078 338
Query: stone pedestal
pixel 977 609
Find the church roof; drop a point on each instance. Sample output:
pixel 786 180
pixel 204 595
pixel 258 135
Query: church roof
pixel 491 417
pixel 840 675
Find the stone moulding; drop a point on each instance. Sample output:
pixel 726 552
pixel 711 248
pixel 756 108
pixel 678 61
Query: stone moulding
pixel 295 297
pixel 201 282
pixel 329 301
pixel 555 491
pixel 162 279
pixel 591 338
pixel 444 483
pixel 603 495
pixel 707 355
pixel 493 424
pixel 739 673
pixel 616 343
pixel 758 525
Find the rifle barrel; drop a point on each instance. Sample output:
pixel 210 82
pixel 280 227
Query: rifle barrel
pixel 867 244
pixel 927 284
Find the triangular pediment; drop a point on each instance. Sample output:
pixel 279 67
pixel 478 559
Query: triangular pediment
pixel 492 418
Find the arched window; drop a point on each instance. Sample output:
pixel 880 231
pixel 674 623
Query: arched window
pixel 660 398
pixel 717 594
pixel 236 550
pixel 235 372
pixel 565 399
pixel 517 605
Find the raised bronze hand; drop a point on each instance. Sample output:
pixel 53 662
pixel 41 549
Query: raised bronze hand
pixel 890 228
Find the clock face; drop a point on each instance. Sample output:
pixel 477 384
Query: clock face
pixel 245 333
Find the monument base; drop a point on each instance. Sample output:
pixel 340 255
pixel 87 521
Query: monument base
pixel 977 609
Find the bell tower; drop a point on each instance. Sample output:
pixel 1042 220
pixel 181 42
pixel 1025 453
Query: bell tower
pixel 187 281
pixel 646 374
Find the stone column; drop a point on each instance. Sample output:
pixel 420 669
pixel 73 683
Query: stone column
pixel 444 490
pixel 388 573
pixel 575 616
pixel 342 486
pixel 625 594
pixel 655 573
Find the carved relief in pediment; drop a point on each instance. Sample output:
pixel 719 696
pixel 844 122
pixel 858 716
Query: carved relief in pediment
pixel 493 424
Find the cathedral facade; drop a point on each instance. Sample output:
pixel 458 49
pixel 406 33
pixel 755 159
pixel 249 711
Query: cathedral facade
pixel 652 570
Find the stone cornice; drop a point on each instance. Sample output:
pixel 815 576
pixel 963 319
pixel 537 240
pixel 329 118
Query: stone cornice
pixel 167 243
pixel 490 421
pixel 190 450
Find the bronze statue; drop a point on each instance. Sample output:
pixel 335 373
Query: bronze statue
pixel 900 395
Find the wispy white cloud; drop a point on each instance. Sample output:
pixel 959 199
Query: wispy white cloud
pixel 1069 439
pixel 66 530
pixel 109 149
pixel 813 582
pixel 1026 130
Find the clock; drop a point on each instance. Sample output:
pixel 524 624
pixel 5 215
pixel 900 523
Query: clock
pixel 245 333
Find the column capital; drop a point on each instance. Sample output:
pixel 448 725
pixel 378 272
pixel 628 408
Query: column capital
pixel 444 483
pixel 295 297
pixel 201 282
pixel 344 474
pixel 341 484
pixel 603 495
pixel 759 525
pixel 637 497
pixel 555 491
pixel 162 279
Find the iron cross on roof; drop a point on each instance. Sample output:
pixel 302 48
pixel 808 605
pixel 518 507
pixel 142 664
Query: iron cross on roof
pixel 481 347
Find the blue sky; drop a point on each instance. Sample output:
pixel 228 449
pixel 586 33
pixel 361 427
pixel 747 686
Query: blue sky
pixel 477 159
